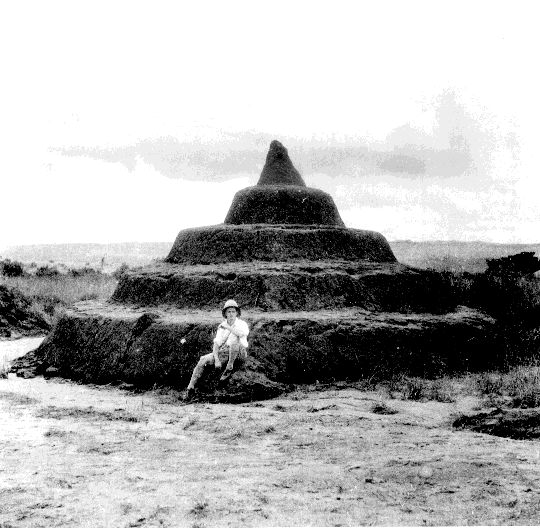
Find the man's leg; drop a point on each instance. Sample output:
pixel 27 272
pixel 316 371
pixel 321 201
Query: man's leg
pixel 204 361
pixel 235 351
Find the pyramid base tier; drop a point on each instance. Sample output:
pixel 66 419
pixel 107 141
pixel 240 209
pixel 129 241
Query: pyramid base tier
pixel 291 286
pixel 103 343
pixel 244 243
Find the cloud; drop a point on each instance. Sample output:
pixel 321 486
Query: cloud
pixel 435 213
pixel 461 142
pixel 454 143
pixel 194 160
pixel 228 154
pixel 403 163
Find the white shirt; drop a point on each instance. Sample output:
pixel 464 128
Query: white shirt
pixel 224 336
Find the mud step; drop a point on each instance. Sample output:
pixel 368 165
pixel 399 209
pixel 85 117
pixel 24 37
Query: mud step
pixel 104 342
pixel 277 242
pixel 300 285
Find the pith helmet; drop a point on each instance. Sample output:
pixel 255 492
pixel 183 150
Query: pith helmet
pixel 231 303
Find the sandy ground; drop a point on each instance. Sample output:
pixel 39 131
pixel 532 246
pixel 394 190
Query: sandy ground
pixel 74 455
pixel 11 349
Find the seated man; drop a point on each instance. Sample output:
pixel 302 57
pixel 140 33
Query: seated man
pixel 230 341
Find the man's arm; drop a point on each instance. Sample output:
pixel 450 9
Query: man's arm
pixel 215 351
pixel 237 329
pixel 219 340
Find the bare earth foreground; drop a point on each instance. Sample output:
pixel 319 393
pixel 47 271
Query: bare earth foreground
pixel 75 455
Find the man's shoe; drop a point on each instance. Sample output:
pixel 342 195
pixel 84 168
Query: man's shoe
pixel 190 395
pixel 226 375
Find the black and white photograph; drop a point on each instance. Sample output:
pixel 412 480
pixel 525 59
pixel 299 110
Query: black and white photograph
pixel 269 264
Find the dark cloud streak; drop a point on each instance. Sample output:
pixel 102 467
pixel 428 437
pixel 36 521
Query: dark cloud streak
pixel 458 144
pixel 403 163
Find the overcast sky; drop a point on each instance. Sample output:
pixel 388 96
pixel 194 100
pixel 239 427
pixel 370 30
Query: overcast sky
pixel 128 121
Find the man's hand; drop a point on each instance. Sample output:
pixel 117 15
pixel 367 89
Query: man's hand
pixel 217 363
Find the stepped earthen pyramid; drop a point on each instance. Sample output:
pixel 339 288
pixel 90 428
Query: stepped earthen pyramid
pixel 324 303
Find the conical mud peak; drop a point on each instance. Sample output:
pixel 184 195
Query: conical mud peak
pixel 278 169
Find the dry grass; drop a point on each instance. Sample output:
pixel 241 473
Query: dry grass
pixel 4 369
pixel 453 256
pixel 64 289
pixel 59 413
pixel 419 389
pixel 49 295
pixel 17 399
pixel 200 509
pixel 54 432
pixel 519 387
pixel 382 408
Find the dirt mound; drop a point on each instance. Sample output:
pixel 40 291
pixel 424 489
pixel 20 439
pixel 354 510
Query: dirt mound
pixel 519 424
pixel 103 343
pixel 279 243
pixel 245 385
pixel 303 285
pixel 17 316
pixel 30 365
pixel 324 303
pixel 283 205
